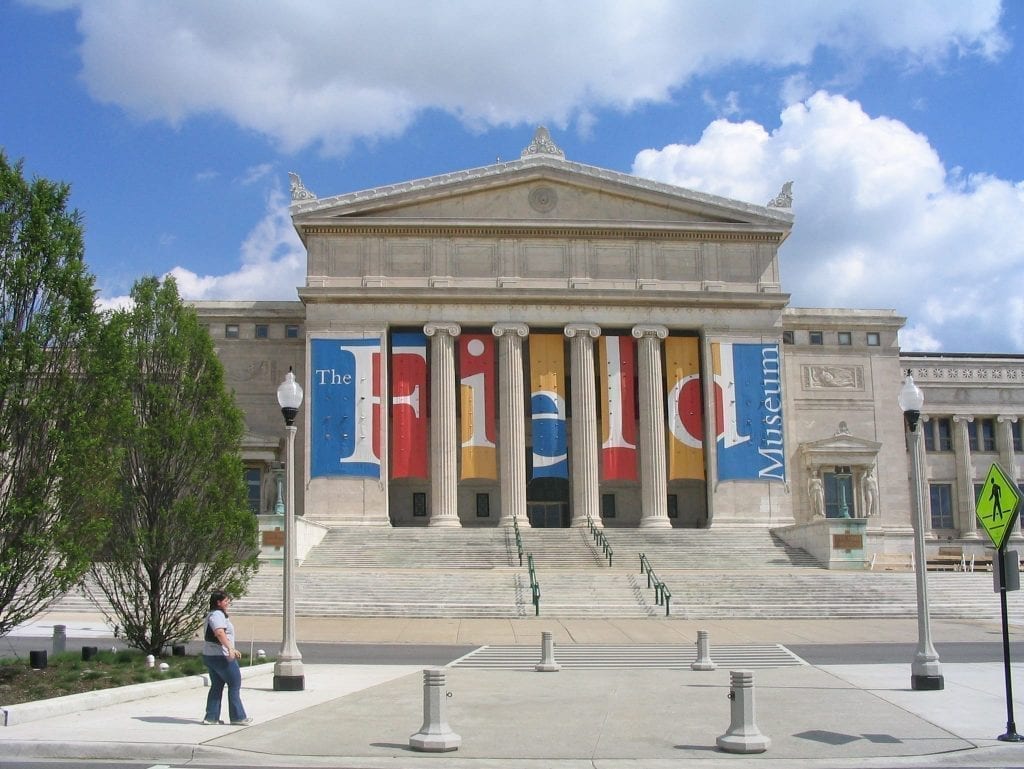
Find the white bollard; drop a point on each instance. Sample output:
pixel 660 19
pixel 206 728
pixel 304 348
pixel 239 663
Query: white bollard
pixel 547 662
pixel 164 667
pixel 703 661
pixel 60 639
pixel 435 736
pixel 743 735
pixel 150 660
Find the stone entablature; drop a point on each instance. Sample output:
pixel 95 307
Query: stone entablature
pixel 967 373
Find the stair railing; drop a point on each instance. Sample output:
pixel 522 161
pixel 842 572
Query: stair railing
pixel 662 595
pixel 534 585
pixel 519 540
pixel 606 548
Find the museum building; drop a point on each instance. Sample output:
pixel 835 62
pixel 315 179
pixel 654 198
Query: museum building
pixel 553 343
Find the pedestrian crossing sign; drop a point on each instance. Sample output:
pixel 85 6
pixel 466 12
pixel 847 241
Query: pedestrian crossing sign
pixel 997 505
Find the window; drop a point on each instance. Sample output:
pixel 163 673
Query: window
pixel 673 505
pixel 981 435
pixel 938 434
pixel 607 505
pixel 262 331
pixel 483 505
pixel 291 331
pixel 978 488
pixel 419 504
pixel 816 337
pixel 874 340
pixel 845 338
pixel 231 331
pixel 254 486
pixel 787 337
pixel 1015 434
pixel 941 496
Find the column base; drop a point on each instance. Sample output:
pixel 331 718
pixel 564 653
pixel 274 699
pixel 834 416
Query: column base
pixel 927 683
pixel 446 521
pixel 289 683
pixel 655 523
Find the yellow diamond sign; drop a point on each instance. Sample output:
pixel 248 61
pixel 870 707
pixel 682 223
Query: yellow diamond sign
pixel 997 505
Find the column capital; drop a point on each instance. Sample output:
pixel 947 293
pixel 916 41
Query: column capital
pixel 582 330
pixel 1011 418
pixel 959 418
pixel 442 327
pixel 519 329
pixel 657 331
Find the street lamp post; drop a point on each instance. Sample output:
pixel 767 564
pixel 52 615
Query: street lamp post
pixel 288 674
pixel 925 671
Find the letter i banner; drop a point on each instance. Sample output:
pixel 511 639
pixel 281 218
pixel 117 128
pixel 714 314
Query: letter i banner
pixel 345 407
pixel 547 406
pixel 477 427
pixel 684 409
pixel 748 411
pixel 409 399
pixel 617 360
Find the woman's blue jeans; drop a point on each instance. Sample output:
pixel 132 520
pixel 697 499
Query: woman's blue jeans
pixel 224 671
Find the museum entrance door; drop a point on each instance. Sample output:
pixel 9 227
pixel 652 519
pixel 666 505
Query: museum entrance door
pixel 547 515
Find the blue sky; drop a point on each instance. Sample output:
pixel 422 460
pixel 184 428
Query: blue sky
pixel 900 124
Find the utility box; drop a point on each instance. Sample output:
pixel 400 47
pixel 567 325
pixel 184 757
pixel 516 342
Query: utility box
pixel 1011 571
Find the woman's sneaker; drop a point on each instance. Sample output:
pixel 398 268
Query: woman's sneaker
pixel 243 722
pixel 212 722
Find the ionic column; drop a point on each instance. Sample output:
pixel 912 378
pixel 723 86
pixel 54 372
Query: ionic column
pixel 584 424
pixel 966 504
pixel 1007 456
pixel 653 483
pixel 444 483
pixel 512 435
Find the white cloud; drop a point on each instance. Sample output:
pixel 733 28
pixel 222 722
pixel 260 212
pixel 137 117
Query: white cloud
pixel 273 262
pixel 310 73
pixel 255 173
pixel 879 221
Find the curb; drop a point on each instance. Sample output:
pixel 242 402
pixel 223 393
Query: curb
pixel 72 703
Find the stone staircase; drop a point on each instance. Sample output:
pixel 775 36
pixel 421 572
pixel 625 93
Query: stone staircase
pixel 466 573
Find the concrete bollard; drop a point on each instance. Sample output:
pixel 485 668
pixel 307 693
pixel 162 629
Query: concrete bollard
pixel 547 662
pixel 60 639
pixel 435 736
pixel 703 661
pixel 743 735
pixel 150 660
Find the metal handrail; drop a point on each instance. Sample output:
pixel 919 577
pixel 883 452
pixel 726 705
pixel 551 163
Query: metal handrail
pixel 662 595
pixel 534 585
pixel 606 548
pixel 519 540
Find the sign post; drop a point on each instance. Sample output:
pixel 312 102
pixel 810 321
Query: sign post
pixel 997 510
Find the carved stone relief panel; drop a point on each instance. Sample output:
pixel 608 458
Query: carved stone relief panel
pixel 475 260
pixel 832 377
pixel 677 261
pixel 544 260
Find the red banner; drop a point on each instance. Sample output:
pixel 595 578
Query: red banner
pixel 618 419
pixel 409 399
pixel 477 426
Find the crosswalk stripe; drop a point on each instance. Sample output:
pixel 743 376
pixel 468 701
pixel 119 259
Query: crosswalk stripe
pixel 593 656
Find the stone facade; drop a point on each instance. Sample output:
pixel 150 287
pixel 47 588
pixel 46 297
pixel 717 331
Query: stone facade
pixel 544 247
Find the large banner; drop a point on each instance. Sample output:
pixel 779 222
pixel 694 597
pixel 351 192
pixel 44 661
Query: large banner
pixel 617 360
pixel 547 406
pixel 409 399
pixel 477 393
pixel 345 407
pixel 748 411
pixel 683 409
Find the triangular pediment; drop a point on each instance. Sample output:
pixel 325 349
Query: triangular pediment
pixel 842 448
pixel 539 191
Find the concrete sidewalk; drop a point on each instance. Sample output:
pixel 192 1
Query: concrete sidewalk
pixel 363 715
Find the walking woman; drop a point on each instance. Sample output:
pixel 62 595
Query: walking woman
pixel 221 659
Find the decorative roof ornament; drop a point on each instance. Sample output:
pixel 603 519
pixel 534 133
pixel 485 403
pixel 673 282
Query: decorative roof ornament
pixel 542 144
pixel 299 191
pixel 785 197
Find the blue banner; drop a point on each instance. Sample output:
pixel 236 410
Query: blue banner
pixel 748 395
pixel 345 409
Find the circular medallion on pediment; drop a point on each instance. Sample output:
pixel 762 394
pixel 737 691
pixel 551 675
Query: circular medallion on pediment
pixel 543 199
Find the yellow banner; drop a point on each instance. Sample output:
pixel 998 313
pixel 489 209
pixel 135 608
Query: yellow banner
pixel 684 409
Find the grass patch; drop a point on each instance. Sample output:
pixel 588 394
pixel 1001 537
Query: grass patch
pixel 68 674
